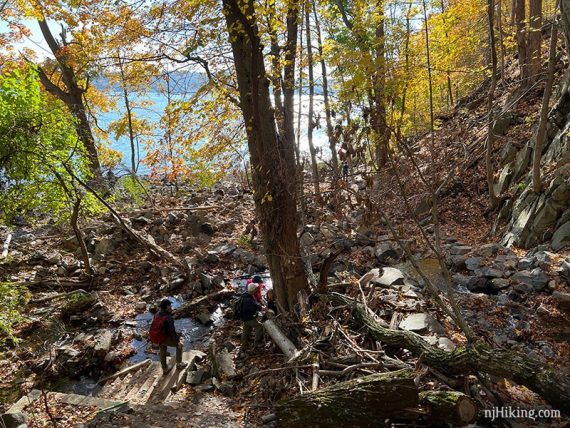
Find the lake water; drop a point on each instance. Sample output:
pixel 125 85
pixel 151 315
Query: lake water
pixel 155 110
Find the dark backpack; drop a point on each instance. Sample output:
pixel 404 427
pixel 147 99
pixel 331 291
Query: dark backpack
pixel 157 333
pixel 237 305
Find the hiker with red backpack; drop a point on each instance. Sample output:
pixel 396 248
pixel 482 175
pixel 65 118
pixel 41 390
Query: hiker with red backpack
pixel 163 334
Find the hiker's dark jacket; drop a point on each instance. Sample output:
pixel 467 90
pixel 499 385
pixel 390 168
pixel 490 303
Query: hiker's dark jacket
pixel 249 307
pixel 169 325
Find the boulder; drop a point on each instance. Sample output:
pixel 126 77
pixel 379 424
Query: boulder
pixel 446 344
pixel 421 322
pixel 207 229
pixel 457 250
pixel 525 263
pixel 211 258
pixel 561 237
pixel 103 340
pixel 498 284
pixel 473 263
pixel 458 261
pixel 206 281
pixel 488 272
pixel 387 250
pixel 104 246
pixel 488 250
pixel 387 277
pixel 195 377
pixel 13 420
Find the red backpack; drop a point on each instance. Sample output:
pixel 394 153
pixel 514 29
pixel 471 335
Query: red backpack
pixel 157 333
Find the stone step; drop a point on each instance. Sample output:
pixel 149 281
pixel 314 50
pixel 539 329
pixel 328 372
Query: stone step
pixel 148 387
pixel 73 399
pixel 138 378
pixel 136 393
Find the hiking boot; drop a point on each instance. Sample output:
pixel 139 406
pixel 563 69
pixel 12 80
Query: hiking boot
pixel 182 365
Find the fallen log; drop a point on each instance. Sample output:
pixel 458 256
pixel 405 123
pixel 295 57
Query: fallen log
pixel 188 308
pixel 552 384
pixel 280 339
pixel 126 370
pixel 449 407
pixel 6 246
pixel 364 402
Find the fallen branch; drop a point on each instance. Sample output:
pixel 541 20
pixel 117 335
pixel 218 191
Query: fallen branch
pixel 350 369
pixel 280 339
pixel 449 407
pixel 552 384
pixel 365 402
pixel 124 371
pixel 150 210
pixel 6 246
pixel 188 308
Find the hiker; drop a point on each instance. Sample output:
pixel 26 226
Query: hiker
pixel 345 170
pixel 248 313
pixel 259 287
pixel 163 333
pixel 270 298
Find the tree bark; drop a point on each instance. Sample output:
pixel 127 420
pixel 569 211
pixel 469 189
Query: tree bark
pixel 552 384
pixel 522 51
pixel 364 402
pixel 449 407
pixel 311 123
pixel 541 131
pixel 72 98
pixel 534 39
pixel 490 100
pixel 79 237
pixel 565 22
pixel 272 156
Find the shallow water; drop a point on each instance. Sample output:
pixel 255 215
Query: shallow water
pixel 194 334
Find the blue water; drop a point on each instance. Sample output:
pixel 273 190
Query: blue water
pixel 154 111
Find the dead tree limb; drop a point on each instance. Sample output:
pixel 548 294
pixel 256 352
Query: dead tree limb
pixel 6 246
pixel 552 384
pixel 365 402
pixel 449 407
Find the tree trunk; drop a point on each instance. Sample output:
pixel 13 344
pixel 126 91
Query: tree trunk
pixel 328 114
pixel 79 236
pixel 541 131
pixel 129 116
pixel 286 346
pixel 490 99
pixel 565 21
pixel 72 98
pixel 364 402
pixel 311 122
pixel 449 407
pixel 549 382
pixel 378 115
pixel 534 39
pixel 272 156
pixel 520 12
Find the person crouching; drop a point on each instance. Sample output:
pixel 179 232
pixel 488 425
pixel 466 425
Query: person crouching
pixel 249 311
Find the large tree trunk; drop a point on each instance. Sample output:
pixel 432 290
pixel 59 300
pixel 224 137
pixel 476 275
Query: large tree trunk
pixel 311 122
pixel 378 117
pixel 552 384
pixel 449 407
pixel 363 402
pixel 520 12
pixel 272 156
pixel 534 39
pixel 72 98
pixel 565 23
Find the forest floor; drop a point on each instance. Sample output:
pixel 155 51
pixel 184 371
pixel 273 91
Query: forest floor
pixel 216 232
